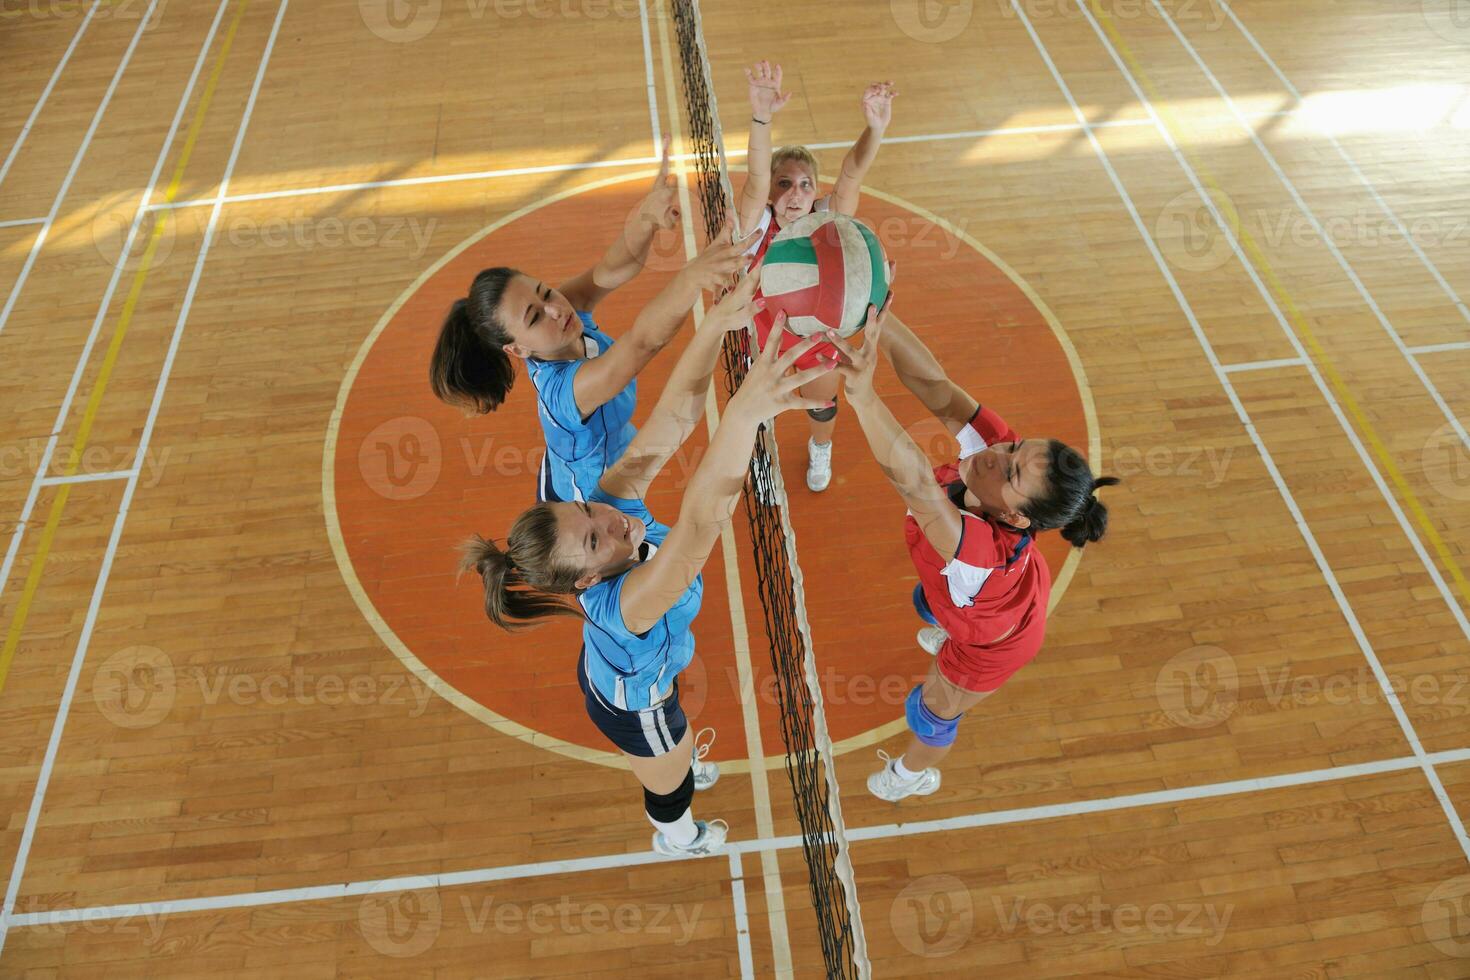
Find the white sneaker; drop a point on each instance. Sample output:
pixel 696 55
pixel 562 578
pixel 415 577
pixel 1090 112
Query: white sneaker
pixel 711 838
pixel 931 638
pixel 706 774
pixel 818 466
pixel 886 784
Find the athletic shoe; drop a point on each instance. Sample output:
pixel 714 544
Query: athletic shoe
pixel 705 773
pixel 931 638
pixel 818 466
pixel 711 838
pixel 886 784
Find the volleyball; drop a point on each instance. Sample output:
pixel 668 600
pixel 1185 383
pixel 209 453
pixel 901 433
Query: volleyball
pixel 822 271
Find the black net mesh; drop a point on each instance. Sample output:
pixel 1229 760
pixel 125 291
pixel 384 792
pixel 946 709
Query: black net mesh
pixel 822 843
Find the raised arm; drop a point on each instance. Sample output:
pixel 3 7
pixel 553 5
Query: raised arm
pixel 625 257
pixel 898 456
pixel 682 403
pixel 878 111
pixel 652 588
pixel 600 379
pixel 766 99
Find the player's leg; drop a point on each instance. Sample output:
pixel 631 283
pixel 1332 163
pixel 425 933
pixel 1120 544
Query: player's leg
pixel 822 422
pixel 933 711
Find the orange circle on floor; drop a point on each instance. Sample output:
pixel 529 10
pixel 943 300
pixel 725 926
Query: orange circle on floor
pixel 406 479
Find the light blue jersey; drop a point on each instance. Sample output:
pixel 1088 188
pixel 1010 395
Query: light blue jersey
pixel 578 450
pixel 630 670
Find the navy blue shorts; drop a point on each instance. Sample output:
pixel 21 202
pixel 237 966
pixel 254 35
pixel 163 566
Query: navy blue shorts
pixel 651 732
pixel 921 606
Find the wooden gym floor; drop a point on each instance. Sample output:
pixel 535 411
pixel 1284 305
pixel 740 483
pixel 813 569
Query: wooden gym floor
pixel 253 727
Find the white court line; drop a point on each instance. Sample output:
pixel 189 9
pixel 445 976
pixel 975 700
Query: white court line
pixel 760 789
pixel 1441 348
pixel 52 481
pixel 734 849
pixel 46 93
pixel 62 413
pixel 653 124
pixel 76 163
pixel 63 710
pixel 16 223
pixel 1262 365
pixel 1306 211
pixel 1390 697
pixel 742 919
pixel 1227 228
pixel 556 168
pixel 1352 165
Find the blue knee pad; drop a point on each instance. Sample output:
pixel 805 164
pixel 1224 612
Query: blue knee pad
pixel 928 727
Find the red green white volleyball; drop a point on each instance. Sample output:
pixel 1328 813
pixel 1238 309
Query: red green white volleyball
pixel 823 271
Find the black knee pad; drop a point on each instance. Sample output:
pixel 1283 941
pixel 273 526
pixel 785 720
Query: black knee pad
pixel 670 807
pixel 823 414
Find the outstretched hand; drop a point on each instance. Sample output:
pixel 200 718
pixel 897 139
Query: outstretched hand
pixel 856 364
pixel 768 388
pixel 766 97
pixel 661 207
pixel 721 260
pixel 739 306
pixel 878 105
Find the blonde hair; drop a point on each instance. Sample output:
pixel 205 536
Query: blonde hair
pixel 798 153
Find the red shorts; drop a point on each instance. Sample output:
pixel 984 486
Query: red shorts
pixel 982 669
pixel 763 324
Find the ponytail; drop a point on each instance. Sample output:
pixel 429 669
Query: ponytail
pixel 1070 502
pixel 1092 523
pixel 524 581
pixel 469 367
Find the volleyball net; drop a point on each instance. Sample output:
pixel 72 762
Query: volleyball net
pixel 778 575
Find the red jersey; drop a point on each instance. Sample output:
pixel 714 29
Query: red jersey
pixel 991 594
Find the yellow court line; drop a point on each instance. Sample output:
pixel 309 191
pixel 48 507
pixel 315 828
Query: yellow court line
pixel 1294 314
pixel 94 401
